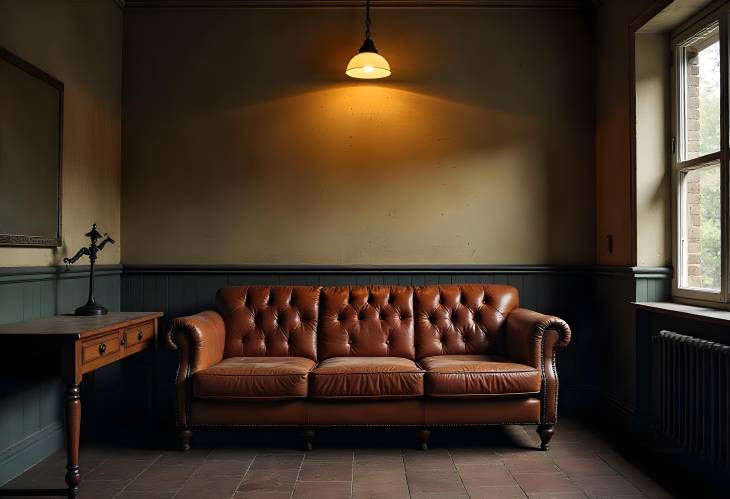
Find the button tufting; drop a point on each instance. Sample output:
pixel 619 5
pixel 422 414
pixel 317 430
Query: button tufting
pixel 387 342
pixel 361 316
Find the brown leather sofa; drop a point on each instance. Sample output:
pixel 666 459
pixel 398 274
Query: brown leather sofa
pixel 314 357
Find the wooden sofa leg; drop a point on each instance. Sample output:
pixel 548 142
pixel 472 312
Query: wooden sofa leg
pixel 423 436
pixel 308 436
pixel 546 432
pixel 183 437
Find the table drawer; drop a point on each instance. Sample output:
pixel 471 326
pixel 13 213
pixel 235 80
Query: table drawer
pixel 101 346
pixel 139 333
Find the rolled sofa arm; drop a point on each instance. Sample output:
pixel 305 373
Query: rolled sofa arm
pixel 532 339
pixel 200 341
pixel 199 338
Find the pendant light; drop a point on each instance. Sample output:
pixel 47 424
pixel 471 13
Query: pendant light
pixel 368 64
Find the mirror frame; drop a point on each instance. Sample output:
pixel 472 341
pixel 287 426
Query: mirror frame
pixel 31 240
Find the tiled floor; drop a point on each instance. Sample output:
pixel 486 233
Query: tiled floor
pixel 483 463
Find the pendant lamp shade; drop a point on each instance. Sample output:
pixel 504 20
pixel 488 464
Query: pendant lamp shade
pixel 367 64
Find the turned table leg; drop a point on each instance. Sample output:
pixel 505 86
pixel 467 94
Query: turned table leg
pixel 73 431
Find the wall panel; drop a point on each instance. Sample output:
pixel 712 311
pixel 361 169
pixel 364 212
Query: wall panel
pixel 31 393
pixel 563 291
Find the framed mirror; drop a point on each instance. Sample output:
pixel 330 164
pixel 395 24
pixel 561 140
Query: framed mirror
pixel 31 139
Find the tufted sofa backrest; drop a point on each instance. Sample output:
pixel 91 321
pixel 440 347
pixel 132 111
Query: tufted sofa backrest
pixel 460 319
pixel 275 321
pixel 362 321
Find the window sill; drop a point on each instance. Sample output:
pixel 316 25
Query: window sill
pixel 711 315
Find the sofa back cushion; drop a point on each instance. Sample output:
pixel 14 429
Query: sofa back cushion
pixel 270 321
pixel 460 319
pixel 362 321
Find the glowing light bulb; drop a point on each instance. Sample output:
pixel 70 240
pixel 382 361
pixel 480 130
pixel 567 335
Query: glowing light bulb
pixel 368 65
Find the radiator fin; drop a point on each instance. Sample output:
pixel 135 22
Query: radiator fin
pixel 693 404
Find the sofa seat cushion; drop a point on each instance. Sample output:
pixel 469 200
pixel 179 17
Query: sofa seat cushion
pixel 478 376
pixel 366 377
pixel 254 378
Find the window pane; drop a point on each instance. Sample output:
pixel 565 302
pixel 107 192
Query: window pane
pixel 701 99
pixel 701 236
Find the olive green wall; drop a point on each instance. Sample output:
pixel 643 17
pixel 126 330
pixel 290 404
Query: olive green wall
pixel 245 143
pixel 80 44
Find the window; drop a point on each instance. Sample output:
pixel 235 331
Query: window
pixel 700 159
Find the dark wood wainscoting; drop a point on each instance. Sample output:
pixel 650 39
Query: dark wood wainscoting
pixel 582 295
pixel 31 392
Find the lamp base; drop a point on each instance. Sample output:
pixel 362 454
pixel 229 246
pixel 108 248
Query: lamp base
pixel 91 309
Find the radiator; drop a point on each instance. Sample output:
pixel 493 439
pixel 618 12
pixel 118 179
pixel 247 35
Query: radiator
pixel 692 401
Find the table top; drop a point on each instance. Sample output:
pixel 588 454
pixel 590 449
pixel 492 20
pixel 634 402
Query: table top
pixel 77 326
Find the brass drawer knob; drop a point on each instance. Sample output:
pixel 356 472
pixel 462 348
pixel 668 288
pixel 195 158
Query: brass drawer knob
pixel 102 349
pixel 140 335
pixel 123 341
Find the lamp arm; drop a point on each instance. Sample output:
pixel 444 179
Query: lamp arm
pixel 79 254
pixel 107 239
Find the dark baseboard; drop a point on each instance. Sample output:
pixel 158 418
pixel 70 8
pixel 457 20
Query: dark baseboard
pixel 20 456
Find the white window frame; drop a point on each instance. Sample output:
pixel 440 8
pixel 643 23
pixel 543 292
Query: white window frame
pixel 718 15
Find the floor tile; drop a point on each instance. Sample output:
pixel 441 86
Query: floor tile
pixel 277 461
pixel 322 490
pixel 162 478
pixel 607 486
pixel 496 492
pixel 223 468
pixel 231 454
pixel 534 483
pixel 118 469
pixel 376 463
pixel 558 495
pixel 475 475
pixel 217 487
pixel 193 456
pixel 269 481
pixel 330 455
pixel 145 495
pixel 326 471
pixel 383 483
pixel 530 464
pixel 428 460
pixel 584 467
pixel 439 495
pixel 435 481
pixel 262 494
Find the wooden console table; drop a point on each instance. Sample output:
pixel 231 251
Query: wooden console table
pixel 86 344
